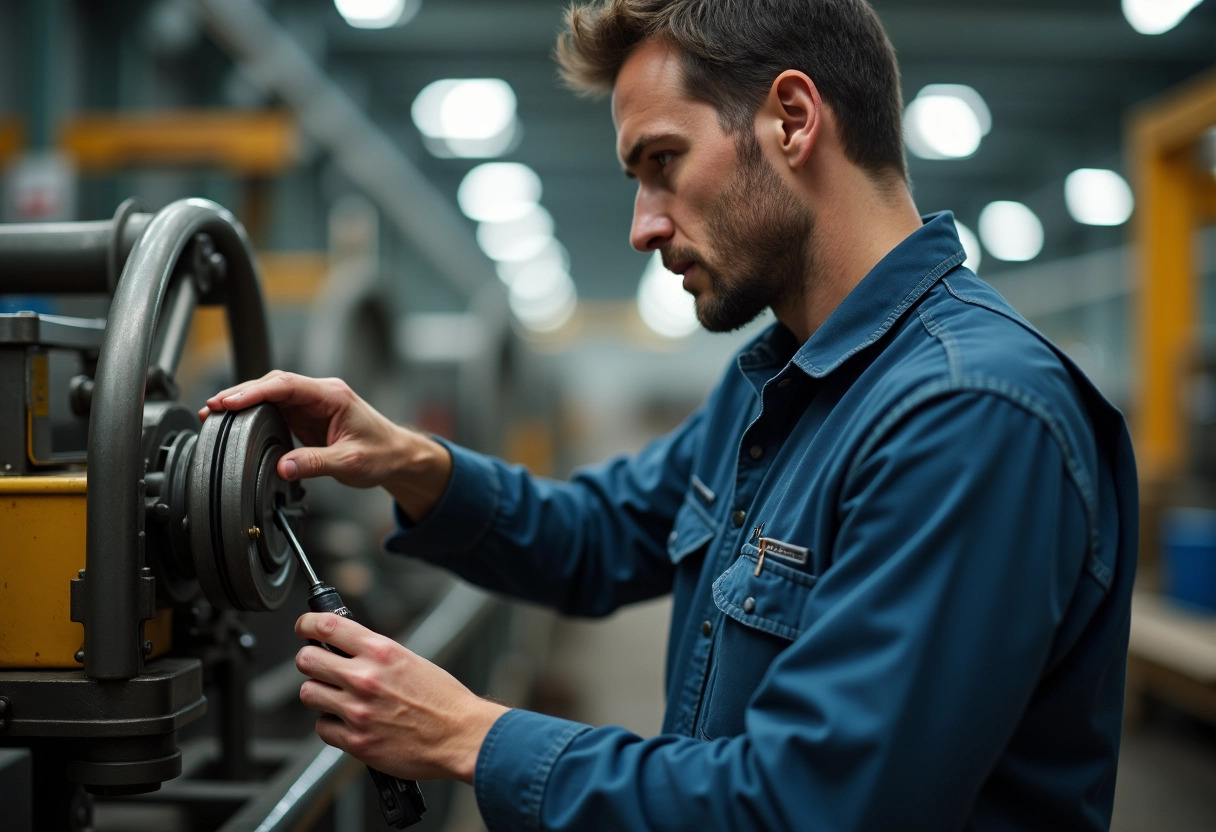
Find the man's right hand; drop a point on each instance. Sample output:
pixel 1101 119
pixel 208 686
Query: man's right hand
pixel 345 438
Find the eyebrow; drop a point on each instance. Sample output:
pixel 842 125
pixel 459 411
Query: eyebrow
pixel 639 147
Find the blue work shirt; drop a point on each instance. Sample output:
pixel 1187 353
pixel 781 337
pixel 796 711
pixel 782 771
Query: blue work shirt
pixel 936 637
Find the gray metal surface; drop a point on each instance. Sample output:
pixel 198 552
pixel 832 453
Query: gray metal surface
pixel 113 646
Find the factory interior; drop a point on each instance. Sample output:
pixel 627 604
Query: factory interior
pixel 403 194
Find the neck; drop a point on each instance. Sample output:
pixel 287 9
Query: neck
pixel 857 223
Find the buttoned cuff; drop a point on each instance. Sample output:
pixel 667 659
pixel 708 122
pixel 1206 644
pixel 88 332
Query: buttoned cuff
pixel 513 767
pixel 461 518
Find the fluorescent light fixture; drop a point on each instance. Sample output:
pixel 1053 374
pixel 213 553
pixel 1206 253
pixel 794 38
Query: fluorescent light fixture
pixel 498 192
pixel 377 14
pixel 1155 17
pixel 971 245
pixel 469 117
pixel 662 302
pixel 1098 197
pixel 946 121
pixel 544 302
pixel 1011 231
pixel 519 239
pixel 552 256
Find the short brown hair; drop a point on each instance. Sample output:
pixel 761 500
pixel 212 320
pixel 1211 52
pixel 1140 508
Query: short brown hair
pixel 732 50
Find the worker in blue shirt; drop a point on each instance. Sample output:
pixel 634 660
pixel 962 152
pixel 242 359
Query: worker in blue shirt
pixel 899 534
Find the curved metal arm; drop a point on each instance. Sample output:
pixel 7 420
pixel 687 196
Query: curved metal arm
pixel 114 558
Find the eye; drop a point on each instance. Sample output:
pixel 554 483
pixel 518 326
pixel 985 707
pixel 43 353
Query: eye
pixel 663 158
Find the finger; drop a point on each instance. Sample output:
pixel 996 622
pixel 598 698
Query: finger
pixel 333 731
pixel 276 386
pixel 324 698
pixel 343 633
pixel 320 664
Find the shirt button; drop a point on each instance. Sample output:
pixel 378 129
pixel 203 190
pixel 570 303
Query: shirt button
pixel 738 517
pixel 706 628
pixel 784 383
pixel 755 452
pixel 749 605
pixel 671 538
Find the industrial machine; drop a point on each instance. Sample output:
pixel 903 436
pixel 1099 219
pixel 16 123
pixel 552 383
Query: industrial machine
pixel 130 532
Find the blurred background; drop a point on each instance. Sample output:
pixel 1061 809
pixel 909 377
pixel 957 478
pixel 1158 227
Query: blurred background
pixel 439 222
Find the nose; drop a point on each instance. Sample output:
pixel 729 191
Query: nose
pixel 652 227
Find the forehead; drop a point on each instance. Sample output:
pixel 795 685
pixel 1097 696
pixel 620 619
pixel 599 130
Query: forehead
pixel 648 96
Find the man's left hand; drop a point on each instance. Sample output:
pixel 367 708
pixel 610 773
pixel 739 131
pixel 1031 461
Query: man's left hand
pixel 387 706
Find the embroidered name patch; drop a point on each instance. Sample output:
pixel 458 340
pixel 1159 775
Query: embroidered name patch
pixel 789 551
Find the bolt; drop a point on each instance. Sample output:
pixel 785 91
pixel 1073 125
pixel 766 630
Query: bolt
pixel 254 532
pixel 79 656
pixel 247 641
pixel 80 574
pixel 147 647
pixel 8 467
pixel 186 523
pixel 3 705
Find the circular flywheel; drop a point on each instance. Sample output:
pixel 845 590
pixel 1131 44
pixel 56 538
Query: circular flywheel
pixel 241 557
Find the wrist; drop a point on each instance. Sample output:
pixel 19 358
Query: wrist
pixel 420 473
pixel 476 727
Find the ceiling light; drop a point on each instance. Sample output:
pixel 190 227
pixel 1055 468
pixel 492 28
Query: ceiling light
pixel 662 302
pixel 946 121
pixel 377 14
pixel 971 245
pixel 546 304
pixel 498 191
pixel 1011 231
pixel 471 117
pixel 552 256
pixel 518 239
pixel 1098 197
pixel 1155 17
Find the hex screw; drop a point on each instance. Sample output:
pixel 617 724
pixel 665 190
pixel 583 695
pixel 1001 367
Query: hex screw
pixel 254 532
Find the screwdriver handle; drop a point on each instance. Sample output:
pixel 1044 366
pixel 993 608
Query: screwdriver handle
pixel 401 801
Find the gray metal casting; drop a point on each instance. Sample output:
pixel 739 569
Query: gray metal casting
pixel 113 641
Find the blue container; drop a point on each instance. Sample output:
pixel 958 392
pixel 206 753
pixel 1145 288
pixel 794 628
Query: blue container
pixel 1189 556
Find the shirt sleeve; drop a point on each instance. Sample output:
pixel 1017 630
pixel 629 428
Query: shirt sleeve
pixel 584 547
pixel 963 533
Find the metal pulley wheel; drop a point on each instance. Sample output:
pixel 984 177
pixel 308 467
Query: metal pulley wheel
pixel 241 557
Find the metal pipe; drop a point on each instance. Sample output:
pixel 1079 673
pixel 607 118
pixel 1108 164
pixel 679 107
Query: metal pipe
pixel 68 257
pixel 113 647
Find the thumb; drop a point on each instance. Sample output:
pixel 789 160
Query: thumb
pixel 303 463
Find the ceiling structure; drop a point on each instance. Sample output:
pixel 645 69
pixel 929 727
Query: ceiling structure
pixel 1059 77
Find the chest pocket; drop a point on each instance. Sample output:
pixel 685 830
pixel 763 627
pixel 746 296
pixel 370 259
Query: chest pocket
pixel 693 528
pixel 762 614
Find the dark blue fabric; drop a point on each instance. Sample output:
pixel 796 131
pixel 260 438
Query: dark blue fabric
pixel 951 652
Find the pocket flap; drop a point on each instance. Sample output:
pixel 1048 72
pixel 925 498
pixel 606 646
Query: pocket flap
pixel 693 528
pixel 772 601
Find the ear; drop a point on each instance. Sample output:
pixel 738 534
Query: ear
pixel 794 104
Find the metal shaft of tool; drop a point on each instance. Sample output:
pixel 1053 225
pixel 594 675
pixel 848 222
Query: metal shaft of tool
pixel 295 545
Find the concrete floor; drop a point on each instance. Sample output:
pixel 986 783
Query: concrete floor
pixel 610 673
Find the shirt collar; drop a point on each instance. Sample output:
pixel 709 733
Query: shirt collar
pixel 874 305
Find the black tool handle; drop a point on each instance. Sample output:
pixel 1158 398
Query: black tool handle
pixel 401 801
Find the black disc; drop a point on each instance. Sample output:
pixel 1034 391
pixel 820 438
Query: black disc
pixel 240 556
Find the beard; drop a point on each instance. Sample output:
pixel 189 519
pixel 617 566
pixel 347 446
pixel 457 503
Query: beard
pixel 761 235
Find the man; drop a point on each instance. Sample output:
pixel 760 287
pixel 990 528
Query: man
pixel 900 533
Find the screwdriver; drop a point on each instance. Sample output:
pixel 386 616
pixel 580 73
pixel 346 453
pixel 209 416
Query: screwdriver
pixel 401 801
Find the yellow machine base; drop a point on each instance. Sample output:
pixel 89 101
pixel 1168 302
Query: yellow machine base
pixel 42 549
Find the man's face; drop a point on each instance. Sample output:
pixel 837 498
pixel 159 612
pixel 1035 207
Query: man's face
pixel 708 201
